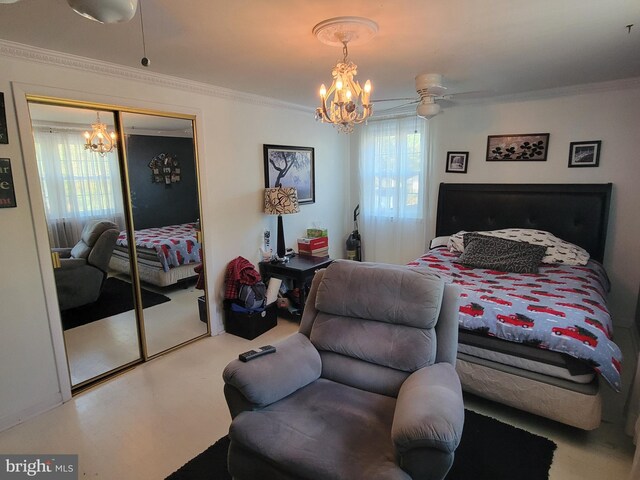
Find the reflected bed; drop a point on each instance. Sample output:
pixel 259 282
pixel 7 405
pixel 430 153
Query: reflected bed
pixel 166 255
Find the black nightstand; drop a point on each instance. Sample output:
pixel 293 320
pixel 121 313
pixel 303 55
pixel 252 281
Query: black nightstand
pixel 300 269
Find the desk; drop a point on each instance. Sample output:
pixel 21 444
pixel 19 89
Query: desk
pixel 300 269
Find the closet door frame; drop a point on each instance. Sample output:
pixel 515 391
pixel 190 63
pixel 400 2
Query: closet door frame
pixel 24 94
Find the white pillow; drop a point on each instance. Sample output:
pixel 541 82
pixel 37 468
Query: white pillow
pixel 439 242
pixel 558 250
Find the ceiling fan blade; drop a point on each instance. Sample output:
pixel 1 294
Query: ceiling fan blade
pixel 397 107
pixel 395 100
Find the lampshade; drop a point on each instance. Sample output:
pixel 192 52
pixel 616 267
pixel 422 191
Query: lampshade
pixel 281 201
pixel 105 11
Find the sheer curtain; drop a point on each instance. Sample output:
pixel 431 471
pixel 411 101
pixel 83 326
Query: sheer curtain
pixel 393 190
pixel 77 185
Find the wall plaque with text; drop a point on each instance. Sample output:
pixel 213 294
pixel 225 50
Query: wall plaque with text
pixel 7 192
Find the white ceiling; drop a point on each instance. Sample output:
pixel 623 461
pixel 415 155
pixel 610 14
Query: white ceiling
pixel 498 47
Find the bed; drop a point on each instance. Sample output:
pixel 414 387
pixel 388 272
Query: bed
pixel 502 355
pixel 166 255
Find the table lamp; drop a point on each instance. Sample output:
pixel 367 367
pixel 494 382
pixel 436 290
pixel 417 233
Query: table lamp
pixel 281 201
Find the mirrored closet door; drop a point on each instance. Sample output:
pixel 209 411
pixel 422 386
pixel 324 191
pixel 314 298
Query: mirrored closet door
pixel 121 200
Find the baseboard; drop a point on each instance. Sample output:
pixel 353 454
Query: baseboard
pixel 17 418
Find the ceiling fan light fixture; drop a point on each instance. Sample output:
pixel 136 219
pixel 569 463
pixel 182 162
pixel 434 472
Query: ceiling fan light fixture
pixel 428 110
pixel 105 11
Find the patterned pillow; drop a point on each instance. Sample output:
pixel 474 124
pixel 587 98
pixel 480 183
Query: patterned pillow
pixel 495 253
pixel 558 250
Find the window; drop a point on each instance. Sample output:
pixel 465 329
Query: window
pixel 392 168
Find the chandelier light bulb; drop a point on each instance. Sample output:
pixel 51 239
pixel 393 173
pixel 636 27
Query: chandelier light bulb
pixel 339 84
pixel 367 86
pixel 323 90
pixel 349 95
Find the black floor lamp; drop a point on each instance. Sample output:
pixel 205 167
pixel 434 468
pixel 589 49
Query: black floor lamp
pixel 281 201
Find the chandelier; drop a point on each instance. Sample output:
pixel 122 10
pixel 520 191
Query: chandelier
pixel 99 140
pixel 345 103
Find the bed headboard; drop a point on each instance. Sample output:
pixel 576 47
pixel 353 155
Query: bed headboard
pixel 577 213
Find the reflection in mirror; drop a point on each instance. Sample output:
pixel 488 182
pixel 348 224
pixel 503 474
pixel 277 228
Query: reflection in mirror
pixel 162 171
pixel 84 210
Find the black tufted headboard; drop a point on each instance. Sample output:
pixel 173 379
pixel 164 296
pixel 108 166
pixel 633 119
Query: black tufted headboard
pixel 577 213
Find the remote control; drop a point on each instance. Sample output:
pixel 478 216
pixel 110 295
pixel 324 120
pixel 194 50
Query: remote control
pixel 251 354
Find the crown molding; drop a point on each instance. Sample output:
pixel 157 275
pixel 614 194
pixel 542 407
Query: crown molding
pixel 49 57
pixel 571 90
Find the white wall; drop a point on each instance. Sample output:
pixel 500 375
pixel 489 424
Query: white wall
pixel 612 116
pixel 231 130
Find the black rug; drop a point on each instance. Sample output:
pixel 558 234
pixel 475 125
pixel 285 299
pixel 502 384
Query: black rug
pixel 489 450
pixel 116 297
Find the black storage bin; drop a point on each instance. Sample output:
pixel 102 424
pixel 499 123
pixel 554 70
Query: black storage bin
pixel 202 308
pixel 249 325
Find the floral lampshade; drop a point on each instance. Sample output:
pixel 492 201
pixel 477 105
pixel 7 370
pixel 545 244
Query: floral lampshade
pixel 281 201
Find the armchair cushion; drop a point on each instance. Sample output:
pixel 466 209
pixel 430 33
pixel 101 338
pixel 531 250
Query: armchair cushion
pixel 324 430
pixel 269 378
pixel 386 293
pixel 430 410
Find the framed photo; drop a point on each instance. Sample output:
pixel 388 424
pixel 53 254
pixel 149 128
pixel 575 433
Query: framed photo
pixel 3 122
pixel 529 147
pixel 584 154
pixel 286 166
pixel 457 162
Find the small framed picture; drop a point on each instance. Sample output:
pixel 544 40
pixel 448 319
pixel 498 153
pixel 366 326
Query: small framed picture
pixel 584 154
pixel 457 162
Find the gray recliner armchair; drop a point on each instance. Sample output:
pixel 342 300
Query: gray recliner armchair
pixel 83 269
pixel 366 389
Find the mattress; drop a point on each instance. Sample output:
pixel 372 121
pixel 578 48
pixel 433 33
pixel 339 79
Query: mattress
pixel 150 270
pixel 524 357
pixel 562 308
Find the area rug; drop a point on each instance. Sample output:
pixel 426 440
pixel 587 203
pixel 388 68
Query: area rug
pixel 489 450
pixel 116 297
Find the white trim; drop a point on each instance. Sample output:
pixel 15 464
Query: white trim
pixel 30 412
pixel 38 217
pixel 40 55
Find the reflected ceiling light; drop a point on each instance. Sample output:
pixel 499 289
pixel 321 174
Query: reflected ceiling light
pixel 99 140
pixel 349 103
pixel 105 11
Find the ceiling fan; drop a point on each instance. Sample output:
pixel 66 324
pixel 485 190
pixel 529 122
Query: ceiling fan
pixel 430 91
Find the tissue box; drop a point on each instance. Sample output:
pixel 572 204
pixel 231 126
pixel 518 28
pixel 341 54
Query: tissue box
pixel 317 232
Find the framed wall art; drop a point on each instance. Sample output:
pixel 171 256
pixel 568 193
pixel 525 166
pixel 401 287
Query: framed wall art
pixel 584 154
pixel 286 166
pixel 3 122
pixel 529 147
pixel 457 162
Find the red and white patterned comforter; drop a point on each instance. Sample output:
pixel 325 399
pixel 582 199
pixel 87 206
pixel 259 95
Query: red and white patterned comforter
pixel 561 308
pixel 175 244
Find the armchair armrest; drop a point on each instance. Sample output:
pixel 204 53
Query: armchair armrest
pixel 71 263
pixel 267 379
pixel 62 252
pixel 429 410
